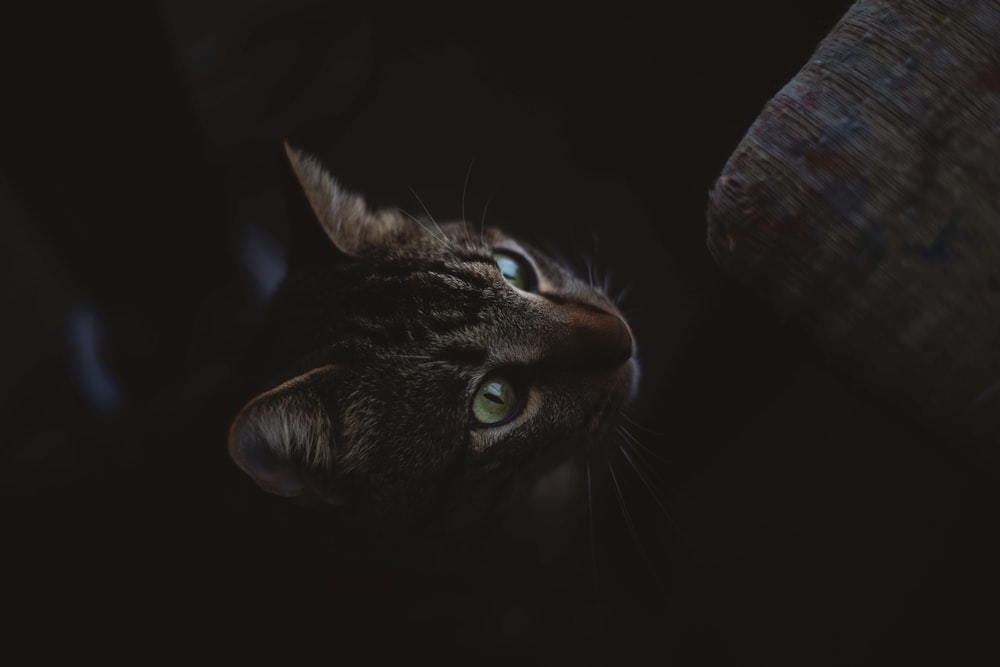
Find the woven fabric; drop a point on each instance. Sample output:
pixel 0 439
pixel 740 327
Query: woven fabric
pixel 865 202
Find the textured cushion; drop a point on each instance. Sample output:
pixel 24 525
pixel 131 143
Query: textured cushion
pixel 865 202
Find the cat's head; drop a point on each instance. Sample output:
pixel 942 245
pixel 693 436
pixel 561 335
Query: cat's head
pixel 422 365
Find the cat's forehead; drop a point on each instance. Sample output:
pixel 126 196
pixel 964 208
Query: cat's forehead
pixel 453 238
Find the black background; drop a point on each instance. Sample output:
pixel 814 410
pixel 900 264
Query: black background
pixel 809 524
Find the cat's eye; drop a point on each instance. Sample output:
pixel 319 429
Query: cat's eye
pixel 495 401
pixel 516 270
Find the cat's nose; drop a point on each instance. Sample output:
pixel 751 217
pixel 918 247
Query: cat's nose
pixel 592 338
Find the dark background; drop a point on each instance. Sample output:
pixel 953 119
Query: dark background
pixel 142 220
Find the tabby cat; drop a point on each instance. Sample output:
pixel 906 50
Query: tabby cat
pixel 422 365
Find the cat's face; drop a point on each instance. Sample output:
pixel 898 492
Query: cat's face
pixel 429 363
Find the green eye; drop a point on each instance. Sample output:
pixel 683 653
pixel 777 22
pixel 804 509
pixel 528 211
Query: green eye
pixel 494 401
pixel 515 270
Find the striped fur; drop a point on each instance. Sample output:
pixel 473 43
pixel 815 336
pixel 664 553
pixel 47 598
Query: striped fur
pixel 383 344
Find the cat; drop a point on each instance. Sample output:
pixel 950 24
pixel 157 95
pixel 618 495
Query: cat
pixel 420 366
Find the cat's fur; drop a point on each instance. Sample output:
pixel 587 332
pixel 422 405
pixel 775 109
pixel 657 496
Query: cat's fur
pixel 386 327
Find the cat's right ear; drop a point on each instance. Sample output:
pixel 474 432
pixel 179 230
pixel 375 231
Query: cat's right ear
pixel 346 226
pixel 304 183
pixel 283 439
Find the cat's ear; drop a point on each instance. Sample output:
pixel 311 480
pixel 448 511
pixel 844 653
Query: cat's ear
pixel 283 438
pixel 343 217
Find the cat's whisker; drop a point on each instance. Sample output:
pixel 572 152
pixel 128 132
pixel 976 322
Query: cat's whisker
pixel 580 255
pixel 633 444
pixel 589 265
pixel 604 272
pixel 593 542
pixel 628 520
pixel 622 294
pixel 552 251
pixel 482 222
pixel 611 288
pixel 648 466
pixel 430 231
pixel 654 494
pixel 641 474
pixel 427 211
pixel 633 422
pixel 465 187
pixel 627 435
pixel 632 450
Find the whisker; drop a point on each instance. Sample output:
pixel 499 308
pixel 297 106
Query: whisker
pixel 465 187
pixel 650 468
pixel 599 276
pixel 427 211
pixel 580 256
pixel 657 497
pixel 622 294
pixel 590 269
pixel 552 251
pixel 628 520
pixel 627 435
pixel 429 230
pixel 482 222
pixel 648 484
pixel 640 426
pixel 606 283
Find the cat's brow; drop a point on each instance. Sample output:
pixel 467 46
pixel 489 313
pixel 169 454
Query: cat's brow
pixel 475 256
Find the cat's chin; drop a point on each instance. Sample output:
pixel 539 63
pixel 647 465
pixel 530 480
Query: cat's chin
pixel 557 488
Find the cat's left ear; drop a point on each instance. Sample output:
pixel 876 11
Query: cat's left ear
pixel 343 216
pixel 283 439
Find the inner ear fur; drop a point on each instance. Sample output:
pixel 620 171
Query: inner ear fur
pixel 283 438
pixel 343 216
